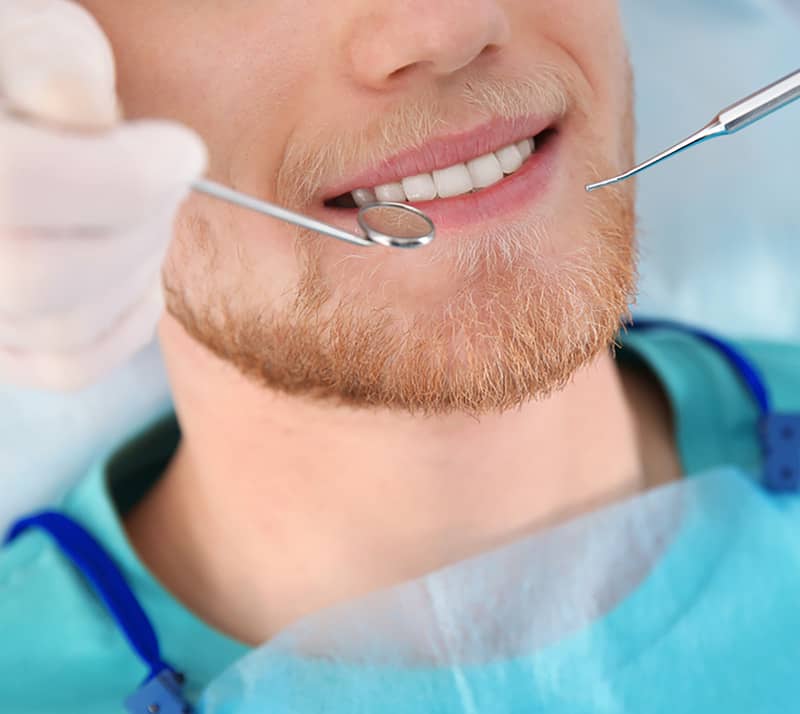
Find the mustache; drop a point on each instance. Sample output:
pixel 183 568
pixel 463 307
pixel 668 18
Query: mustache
pixel 309 165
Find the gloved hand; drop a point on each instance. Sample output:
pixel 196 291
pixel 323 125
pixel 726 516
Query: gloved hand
pixel 87 201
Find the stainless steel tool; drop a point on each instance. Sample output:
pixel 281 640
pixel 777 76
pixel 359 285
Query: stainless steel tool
pixel 394 225
pixel 728 121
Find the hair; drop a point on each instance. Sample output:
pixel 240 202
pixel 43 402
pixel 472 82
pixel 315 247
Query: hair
pixel 519 309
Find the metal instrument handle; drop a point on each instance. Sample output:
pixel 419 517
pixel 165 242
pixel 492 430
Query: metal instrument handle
pixel 761 104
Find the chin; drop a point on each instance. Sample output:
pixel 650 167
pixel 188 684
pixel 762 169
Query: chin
pixel 487 317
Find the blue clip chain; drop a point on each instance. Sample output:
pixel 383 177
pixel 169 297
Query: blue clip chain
pixel 162 691
pixel 779 432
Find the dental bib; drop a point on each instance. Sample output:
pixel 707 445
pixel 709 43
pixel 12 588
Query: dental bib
pixel 683 599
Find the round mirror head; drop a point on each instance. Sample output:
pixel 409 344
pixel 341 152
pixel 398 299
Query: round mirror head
pixel 396 225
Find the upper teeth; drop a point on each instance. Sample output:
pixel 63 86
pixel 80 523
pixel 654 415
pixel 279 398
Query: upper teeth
pixel 455 180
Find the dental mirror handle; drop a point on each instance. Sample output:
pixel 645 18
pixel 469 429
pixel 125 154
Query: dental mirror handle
pixel 211 188
pixel 736 117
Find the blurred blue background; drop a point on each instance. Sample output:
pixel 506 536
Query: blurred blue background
pixel 719 227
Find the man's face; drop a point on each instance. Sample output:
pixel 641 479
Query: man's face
pixel 304 102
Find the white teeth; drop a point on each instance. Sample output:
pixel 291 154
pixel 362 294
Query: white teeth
pixel 485 171
pixel 525 148
pixel 363 196
pixel 390 192
pixel 510 159
pixel 481 172
pixel 452 181
pixel 420 188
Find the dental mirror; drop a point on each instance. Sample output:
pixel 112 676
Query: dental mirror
pixel 394 225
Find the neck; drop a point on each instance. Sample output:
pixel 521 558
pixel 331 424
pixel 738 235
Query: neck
pixel 322 503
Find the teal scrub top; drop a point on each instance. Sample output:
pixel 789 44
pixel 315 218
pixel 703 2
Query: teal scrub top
pixel 60 652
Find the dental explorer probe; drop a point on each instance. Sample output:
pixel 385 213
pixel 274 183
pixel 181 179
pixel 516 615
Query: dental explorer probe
pixel 728 121
pixel 376 219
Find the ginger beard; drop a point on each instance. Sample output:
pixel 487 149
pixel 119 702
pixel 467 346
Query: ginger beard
pixel 475 323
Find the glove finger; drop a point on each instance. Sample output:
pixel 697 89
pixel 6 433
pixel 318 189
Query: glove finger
pixel 72 326
pixel 45 275
pixel 60 181
pixel 56 64
pixel 72 370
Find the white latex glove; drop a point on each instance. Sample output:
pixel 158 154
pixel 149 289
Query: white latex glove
pixel 87 202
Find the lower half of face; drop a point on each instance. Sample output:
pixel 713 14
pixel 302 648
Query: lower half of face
pixel 526 282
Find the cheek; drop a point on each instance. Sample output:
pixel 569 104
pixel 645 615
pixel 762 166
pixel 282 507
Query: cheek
pixel 231 71
pixel 591 35
pixel 222 253
pixel 588 42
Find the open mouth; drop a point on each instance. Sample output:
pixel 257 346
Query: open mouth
pixel 460 179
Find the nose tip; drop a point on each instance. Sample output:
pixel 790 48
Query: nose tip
pixel 434 38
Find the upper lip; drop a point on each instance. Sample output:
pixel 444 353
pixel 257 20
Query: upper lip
pixel 441 152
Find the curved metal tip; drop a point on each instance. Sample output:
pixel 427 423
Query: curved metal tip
pixel 602 184
pixel 707 132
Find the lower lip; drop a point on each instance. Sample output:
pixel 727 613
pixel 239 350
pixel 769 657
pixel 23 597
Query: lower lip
pixel 518 191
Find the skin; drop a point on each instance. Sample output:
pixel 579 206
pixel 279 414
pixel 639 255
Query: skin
pixel 326 473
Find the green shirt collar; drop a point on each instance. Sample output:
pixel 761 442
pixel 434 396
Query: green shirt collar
pixel 714 418
pixel 112 486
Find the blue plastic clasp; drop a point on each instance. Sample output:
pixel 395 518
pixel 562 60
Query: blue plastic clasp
pixel 162 694
pixel 780 435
